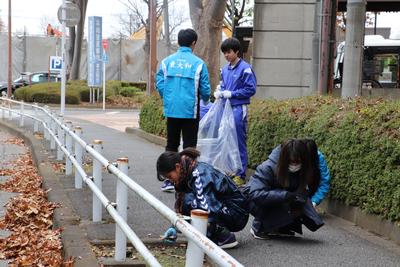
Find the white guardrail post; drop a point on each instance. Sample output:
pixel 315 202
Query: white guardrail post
pixel 68 146
pixel 2 110
pixel 53 128
pixel 194 254
pixel 47 122
pixel 122 209
pixel 21 119
pixel 9 111
pixel 35 122
pixel 97 207
pixel 78 157
pixel 60 136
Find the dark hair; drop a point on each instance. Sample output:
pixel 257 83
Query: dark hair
pixel 186 37
pixel 230 43
pixel 293 149
pixel 312 150
pixel 167 161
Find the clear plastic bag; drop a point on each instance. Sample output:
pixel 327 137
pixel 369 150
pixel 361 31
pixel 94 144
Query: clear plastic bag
pixel 217 138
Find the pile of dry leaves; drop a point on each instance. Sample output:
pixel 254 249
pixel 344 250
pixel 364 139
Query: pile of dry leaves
pixel 32 242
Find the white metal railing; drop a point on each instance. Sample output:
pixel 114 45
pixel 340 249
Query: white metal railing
pixel 70 145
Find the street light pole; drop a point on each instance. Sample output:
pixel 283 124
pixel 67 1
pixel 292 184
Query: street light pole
pixel 63 67
pixel 9 85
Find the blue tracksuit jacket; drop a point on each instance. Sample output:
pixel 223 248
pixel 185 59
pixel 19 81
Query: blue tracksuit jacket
pixel 181 79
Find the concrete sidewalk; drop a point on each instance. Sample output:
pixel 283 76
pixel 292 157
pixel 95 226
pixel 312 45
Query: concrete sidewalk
pixel 336 244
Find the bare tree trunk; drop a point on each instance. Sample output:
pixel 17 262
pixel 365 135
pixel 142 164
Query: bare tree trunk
pixel 207 18
pixel 166 25
pixel 71 44
pixel 78 40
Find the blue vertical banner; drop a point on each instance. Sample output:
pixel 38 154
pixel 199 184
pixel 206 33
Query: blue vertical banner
pixel 95 52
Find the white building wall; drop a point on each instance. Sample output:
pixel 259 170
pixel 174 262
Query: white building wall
pixel 283 31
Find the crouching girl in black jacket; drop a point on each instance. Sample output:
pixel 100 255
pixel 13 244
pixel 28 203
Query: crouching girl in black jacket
pixel 281 203
pixel 198 185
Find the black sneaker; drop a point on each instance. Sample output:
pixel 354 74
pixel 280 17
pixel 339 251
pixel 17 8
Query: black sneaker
pixel 227 240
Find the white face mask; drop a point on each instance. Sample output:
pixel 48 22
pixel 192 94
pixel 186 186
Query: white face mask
pixel 294 167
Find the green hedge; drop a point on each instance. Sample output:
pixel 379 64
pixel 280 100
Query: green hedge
pixel 46 93
pixel 151 117
pixel 130 91
pixel 360 140
pixel 76 91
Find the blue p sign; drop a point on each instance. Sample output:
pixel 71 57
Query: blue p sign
pixel 55 63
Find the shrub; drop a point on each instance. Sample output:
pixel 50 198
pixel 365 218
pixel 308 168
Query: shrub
pixel 129 91
pixel 141 85
pixel 151 116
pixel 85 95
pixel 47 93
pixel 76 91
pixel 358 137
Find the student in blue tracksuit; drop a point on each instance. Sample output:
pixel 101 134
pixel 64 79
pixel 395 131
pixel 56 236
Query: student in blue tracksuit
pixel 182 81
pixel 198 185
pixel 238 83
pixel 280 193
pixel 319 167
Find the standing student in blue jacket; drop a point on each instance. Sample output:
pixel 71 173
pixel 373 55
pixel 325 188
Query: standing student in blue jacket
pixel 182 81
pixel 238 83
pixel 319 167
pixel 280 193
pixel 200 186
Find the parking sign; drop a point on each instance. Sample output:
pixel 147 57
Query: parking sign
pixel 55 63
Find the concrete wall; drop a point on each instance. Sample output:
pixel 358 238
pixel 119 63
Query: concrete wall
pixel 283 31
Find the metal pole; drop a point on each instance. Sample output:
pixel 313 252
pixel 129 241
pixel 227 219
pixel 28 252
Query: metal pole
pixel 21 119
pixel 153 47
pixel 9 85
pixel 97 176
pixel 78 157
pixel 104 84
pixel 353 52
pixel 60 136
pixel 68 145
pixel 122 208
pixel 63 67
pixel 194 254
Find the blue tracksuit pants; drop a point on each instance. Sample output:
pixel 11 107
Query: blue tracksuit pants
pixel 240 114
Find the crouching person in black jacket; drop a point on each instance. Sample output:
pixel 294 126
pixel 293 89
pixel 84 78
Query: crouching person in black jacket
pixel 198 185
pixel 280 203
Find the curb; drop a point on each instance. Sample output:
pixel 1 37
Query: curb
pixel 74 237
pixel 370 222
pixel 148 136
